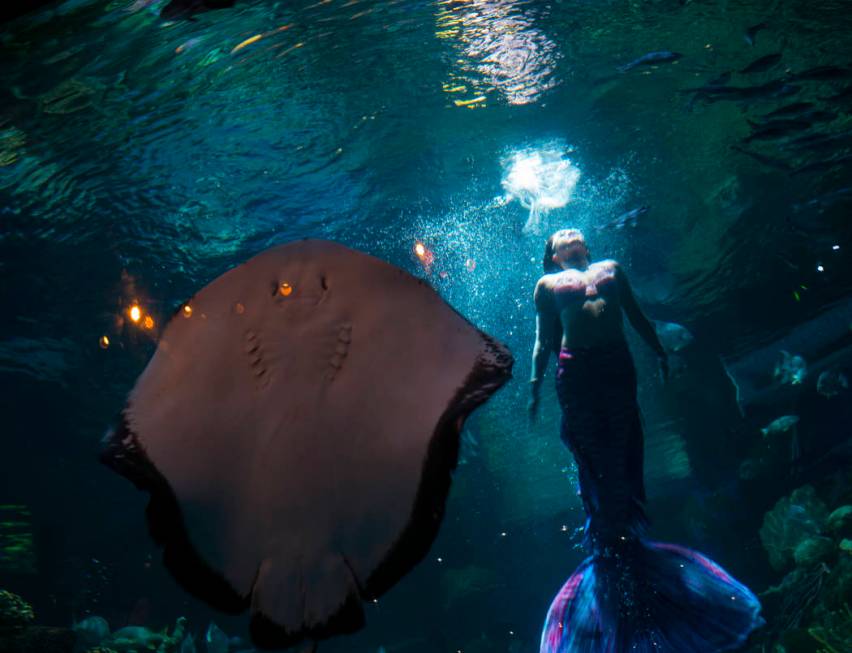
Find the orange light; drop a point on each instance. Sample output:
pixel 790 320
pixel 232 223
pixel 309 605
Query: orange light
pixel 285 289
pixel 187 310
pixel 135 313
pixel 148 322
pixel 103 342
pixel 424 254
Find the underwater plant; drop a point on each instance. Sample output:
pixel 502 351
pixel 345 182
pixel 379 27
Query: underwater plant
pixel 835 633
pixel 137 638
pixel 15 613
pixel 793 520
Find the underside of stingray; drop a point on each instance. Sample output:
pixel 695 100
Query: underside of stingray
pixel 297 429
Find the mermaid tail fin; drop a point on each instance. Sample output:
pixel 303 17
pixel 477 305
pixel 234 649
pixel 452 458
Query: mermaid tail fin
pixel 650 597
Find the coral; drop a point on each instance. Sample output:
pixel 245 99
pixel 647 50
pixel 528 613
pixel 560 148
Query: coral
pixel 838 587
pixel 791 601
pixel 840 521
pixel 813 550
pixel 91 631
pixel 835 631
pixel 137 638
pixel 15 613
pixel 38 639
pixel 793 519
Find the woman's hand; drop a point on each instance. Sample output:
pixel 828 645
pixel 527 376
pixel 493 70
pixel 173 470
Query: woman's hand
pixel 532 408
pixel 532 405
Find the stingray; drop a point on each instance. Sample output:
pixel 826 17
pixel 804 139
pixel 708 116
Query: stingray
pixel 297 428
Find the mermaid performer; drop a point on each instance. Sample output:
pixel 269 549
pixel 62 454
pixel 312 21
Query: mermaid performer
pixel 631 594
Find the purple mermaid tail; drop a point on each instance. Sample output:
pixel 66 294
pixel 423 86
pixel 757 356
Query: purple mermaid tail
pixel 650 597
pixel 632 595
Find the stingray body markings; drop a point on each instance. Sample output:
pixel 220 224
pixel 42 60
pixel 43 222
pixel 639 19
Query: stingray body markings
pixel 297 428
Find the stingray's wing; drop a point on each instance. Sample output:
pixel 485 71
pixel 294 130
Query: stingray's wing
pixel 297 428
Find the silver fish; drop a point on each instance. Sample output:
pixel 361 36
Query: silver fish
pixel 831 383
pixel 780 425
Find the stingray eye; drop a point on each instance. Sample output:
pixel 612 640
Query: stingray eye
pixel 285 289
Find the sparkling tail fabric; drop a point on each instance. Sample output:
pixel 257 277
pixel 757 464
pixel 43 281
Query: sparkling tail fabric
pixel 631 594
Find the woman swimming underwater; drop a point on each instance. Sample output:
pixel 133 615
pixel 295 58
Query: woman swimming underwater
pixel 631 594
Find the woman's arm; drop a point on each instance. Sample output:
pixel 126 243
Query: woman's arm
pixel 637 318
pixel 545 333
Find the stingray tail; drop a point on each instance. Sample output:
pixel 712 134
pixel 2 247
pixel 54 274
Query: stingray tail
pixel 650 597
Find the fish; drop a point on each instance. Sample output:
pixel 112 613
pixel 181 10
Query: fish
pixel 780 425
pixel 762 64
pixel 673 337
pixel 821 73
pixel 303 576
pixel 822 340
pixel 775 129
pixel 764 159
pixel 826 201
pixel 721 80
pixel 821 140
pixel 790 369
pixel 789 110
pixel 772 89
pixel 818 115
pixel 831 383
pixel 652 59
pixel 750 34
pixel 818 166
pixel 841 96
pixel 629 219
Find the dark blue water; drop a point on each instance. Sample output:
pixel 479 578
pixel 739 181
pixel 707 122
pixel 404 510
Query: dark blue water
pixel 141 158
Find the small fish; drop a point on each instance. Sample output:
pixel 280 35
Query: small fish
pixel 775 129
pixel 750 34
pixel 819 166
pixel 629 219
pixel 822 140
pixel 821 73
pixel 831 383
pixel 840 97
pixel 772 89
pixel 721 80
pixel 789 110
pixel 762 158
pixel 790 369
pixel 780 425
pixel 652 59
pixel 810 117
pixel 762 64
pixel 673 337
pixel 824 202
